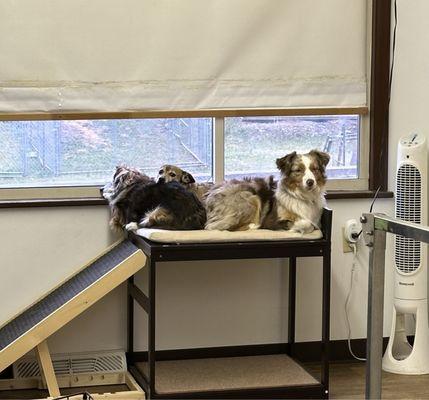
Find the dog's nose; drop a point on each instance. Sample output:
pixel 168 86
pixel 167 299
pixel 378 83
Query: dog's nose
pixel 310 182
pixel 161 180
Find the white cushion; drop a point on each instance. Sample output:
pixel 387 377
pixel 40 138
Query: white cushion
pixel 206 236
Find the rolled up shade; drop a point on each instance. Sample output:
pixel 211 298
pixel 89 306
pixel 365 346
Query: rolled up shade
pixel 106 55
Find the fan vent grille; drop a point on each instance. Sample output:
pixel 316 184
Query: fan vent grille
pixel 408 208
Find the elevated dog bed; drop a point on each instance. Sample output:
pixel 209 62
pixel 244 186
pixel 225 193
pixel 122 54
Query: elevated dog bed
pixel 204 236
pixel 229 372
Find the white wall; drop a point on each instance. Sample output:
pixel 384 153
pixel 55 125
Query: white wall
pixel 200 303
pixel 235 302
pixel 410 88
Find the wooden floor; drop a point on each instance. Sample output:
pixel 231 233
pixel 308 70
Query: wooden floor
pixel 347 382
pixel 39 394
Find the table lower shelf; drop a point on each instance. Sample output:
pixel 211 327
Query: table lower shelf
pixel 229 374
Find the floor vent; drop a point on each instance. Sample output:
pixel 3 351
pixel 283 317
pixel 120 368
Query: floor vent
pixel 75 363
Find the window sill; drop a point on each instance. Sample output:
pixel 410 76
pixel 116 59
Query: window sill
pixel 98 201
pixel 357 194
pixel 84 201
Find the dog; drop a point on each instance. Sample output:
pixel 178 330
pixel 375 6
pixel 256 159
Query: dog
pixel 300 193
pixel 170 173
pixel 164 205
pixel 238 205
pixel 136 200
pixel 115 191
pixel 123 177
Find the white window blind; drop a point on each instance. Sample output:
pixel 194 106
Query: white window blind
pixel 110 55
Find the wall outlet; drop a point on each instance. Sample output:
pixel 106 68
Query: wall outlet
pixel 351 231
pixel 350 234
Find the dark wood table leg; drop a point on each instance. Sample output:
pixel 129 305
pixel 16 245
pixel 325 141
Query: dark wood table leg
pixel 292 304
pixel 326 309
pixel 151 326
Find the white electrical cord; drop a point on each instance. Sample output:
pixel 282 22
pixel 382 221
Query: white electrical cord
pixel 346 304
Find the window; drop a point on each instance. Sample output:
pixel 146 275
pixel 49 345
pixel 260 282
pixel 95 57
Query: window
pixel 84 153
pixel 252 144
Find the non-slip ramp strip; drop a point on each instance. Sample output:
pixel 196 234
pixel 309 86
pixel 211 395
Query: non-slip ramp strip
pixel 118 256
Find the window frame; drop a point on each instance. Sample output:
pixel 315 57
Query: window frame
pixel 379 96
pixel 360 183
pixel 93 191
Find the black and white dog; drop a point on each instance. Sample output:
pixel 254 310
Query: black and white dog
pixel 143 203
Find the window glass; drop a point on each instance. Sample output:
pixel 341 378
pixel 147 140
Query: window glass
pixel 252 144
pixel 85 152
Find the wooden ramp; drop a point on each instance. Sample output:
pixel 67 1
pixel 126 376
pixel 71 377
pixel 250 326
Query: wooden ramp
pixel 32 327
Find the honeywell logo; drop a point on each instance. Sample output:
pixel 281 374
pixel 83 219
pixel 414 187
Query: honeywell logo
pixel 406 284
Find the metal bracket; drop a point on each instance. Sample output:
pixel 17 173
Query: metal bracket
pixel 367 221
pixel 374 228
pixel 375 239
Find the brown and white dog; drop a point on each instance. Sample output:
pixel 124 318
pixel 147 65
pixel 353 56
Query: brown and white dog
pixel 300 193
pixel 172 173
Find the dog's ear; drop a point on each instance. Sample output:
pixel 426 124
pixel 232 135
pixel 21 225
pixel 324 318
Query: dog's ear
pixel 271 182
pixel 283 162
pixel 187 178
pixel 119 168
pixel 321 156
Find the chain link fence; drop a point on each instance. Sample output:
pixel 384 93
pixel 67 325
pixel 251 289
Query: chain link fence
pixel 86 152
pixel 83 152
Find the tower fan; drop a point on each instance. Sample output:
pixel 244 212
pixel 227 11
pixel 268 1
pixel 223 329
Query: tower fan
pixel 411 262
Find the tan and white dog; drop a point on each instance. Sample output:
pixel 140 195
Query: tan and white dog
pixel 170 173
pixel 300 193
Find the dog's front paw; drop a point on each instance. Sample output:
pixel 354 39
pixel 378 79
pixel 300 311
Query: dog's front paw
pixel 253 226
pixel 302 226
pixel 131 226
pixel 211 227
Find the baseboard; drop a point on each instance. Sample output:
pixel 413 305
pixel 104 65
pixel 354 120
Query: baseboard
pixel 303 351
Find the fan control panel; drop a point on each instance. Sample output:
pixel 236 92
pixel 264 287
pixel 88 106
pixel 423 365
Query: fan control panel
pixel 411 140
